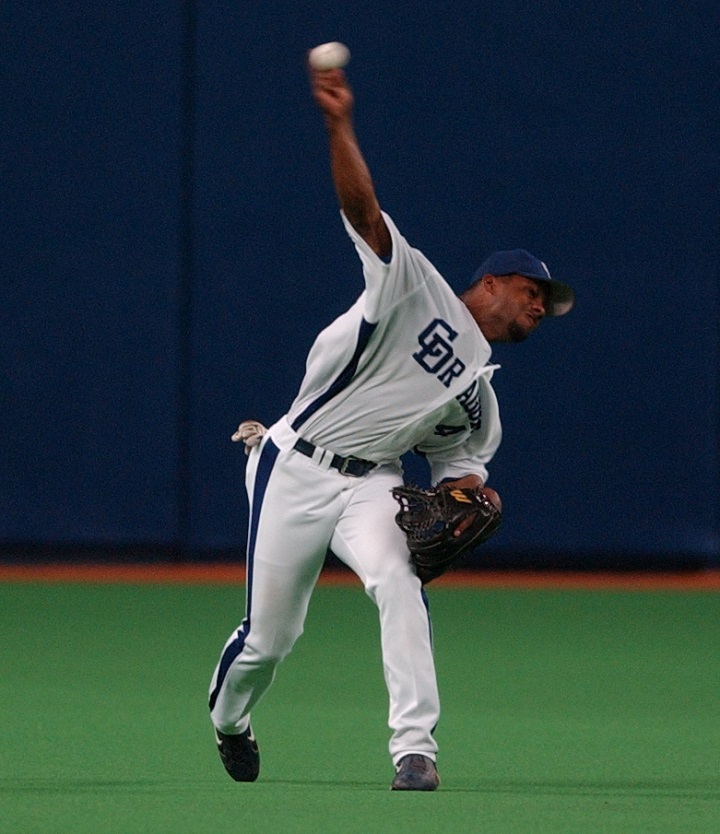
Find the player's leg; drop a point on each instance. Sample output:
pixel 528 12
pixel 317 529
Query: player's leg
pixel 285 556
pixel 370 543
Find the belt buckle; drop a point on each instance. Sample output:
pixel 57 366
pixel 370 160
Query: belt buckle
pixel 342 469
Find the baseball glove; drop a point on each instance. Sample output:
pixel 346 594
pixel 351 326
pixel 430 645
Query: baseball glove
pixel 429 518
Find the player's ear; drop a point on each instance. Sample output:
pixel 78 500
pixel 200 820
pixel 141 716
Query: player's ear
pixel 476 291
pixel 490 283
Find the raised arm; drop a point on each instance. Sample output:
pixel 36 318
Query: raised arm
pixel 350 173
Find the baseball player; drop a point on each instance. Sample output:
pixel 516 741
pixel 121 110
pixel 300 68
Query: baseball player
pixel 406 367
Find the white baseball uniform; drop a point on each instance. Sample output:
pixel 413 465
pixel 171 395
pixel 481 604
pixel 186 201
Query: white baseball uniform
pixel 404 368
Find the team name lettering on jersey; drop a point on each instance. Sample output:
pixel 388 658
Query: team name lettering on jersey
pixel 436 355
pixel 472 406
pixel 470 401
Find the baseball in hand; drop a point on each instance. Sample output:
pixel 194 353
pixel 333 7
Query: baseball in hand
pixel 329 56
pixel 492 497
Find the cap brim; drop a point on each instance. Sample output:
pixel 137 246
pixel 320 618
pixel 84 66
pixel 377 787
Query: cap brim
pixel 560 298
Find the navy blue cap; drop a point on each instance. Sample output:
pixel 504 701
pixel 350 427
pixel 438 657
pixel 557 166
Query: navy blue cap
pixel 560 297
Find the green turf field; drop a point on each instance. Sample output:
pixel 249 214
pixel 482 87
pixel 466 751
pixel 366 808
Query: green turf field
pixel 565 711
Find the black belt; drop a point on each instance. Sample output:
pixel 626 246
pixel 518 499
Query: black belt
pixel 357 467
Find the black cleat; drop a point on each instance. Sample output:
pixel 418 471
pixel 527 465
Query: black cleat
pixel 415 773
pixel 240 755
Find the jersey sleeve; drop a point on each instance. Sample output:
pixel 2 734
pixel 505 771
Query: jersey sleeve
pixel 387 283
pixel 468 459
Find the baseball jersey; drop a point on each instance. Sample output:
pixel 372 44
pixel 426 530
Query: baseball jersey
pixel 406 367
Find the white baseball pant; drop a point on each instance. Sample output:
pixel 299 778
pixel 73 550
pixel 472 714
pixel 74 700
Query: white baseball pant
pixel 299 507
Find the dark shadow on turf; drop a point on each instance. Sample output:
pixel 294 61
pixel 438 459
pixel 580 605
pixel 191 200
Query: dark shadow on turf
pixel 49 786
pixel 68 786
pixel 668 789
pixel 326 783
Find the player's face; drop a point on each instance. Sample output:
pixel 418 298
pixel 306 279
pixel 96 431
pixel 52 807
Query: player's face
pixel 521 305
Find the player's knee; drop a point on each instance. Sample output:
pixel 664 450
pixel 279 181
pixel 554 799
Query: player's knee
pixel 391 580
pixel 274 651
pixel 286 644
